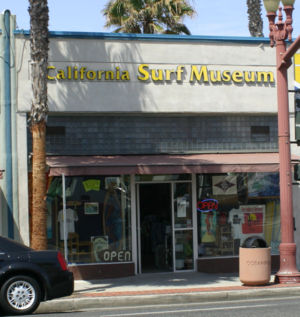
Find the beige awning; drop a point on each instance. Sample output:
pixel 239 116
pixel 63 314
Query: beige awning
pixel 163 164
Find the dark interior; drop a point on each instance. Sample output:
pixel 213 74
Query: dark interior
pixel 156 228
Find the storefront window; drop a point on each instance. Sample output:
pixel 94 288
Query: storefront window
pixel 182 206
pixel 234 206
pixel 184 250
pixel 96 223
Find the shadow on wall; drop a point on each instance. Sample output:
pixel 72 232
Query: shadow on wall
pixel 102 78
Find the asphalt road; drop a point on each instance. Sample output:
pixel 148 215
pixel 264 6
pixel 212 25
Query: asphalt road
pixel 266 307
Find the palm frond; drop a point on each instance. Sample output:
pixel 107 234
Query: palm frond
pixel 148 16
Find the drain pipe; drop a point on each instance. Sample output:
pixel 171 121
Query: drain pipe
pixel 8 137
pixel 14 129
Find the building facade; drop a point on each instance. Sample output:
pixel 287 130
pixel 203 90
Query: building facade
pixel 162 150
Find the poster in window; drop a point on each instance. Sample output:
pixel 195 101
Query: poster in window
pixel 91 184
pixel 91 208
pixel 224 185
pixel 99 244
pixel 263 184
pixel 208 226
pixel 253 219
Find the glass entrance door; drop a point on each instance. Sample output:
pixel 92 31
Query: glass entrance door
pixel 155 224
pixel 183 226
pixel 165 227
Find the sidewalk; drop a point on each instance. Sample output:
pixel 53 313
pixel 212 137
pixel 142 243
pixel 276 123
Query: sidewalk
pixel 162 288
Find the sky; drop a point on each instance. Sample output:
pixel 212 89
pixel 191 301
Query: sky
pixel 217 17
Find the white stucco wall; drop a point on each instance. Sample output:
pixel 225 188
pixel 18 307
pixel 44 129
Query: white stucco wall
pixel 148 96
pixel 23 178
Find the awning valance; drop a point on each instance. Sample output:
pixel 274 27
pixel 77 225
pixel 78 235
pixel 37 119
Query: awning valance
pixel 163 164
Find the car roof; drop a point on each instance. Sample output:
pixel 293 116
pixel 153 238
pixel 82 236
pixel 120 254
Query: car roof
pixel 9 245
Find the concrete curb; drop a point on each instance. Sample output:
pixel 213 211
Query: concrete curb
pixel 77 303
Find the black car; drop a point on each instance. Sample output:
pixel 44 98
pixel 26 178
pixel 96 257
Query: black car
pixel 28 277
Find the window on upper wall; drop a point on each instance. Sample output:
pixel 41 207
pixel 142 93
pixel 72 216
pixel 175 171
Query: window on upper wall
pixel 55 130
pixel 260 133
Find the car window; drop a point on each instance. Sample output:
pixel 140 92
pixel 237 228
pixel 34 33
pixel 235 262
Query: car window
pixel 8 245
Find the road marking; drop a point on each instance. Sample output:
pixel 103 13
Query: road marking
pixel 187 310
pixel 249 300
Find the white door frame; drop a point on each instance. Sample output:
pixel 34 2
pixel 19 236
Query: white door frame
pixel 133 222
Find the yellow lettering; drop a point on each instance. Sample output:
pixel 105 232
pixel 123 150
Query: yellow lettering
pixel 75 73
pixel 226 76
pixel 109 75
pixel 168 73
pixel 125 75
pixel 297 69
pixel 297 73
pixel 82 72
pixel 143 71
pixel 265 77
pixel 251 78
pixel 51 68
pixel 157 77
pixel 91 75
pixel 199 74
pixel 237 77
pixel 117 73
pixel 179 72
pixel 61 74
pixel 215 76
pixel 100 72
pixel 69 71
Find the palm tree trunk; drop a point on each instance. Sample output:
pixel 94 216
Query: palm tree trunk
pixel 39 214
pixel 39 17
pixel 255 24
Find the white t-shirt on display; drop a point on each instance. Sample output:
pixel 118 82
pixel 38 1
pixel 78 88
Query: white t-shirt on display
pixel 235 218
pixel 71 217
